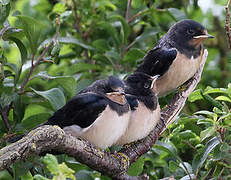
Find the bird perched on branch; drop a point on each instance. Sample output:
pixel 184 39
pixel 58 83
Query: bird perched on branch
pixel 99 113
pixel 144 106
pixel 177 56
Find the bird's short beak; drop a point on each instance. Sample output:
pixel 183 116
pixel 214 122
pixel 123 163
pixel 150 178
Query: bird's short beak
pixel 204 36
pixel 154 78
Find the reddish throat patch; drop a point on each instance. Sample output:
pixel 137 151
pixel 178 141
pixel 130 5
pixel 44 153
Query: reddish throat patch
pixel 117 98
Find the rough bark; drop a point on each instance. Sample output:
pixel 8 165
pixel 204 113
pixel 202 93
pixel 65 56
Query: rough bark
pixel 115 165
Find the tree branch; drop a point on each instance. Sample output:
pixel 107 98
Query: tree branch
pixel 227 22
pixel 129 3
pixel 115 165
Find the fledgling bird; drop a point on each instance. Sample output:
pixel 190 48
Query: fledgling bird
pixel 145 109
pixel 177 56
pixel 99 113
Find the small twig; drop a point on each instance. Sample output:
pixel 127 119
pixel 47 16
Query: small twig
pixel 189 144
pixel 128 10
pixel 2 71
pixel 34 65
pixel 227 22
pixel 4 114
pixel 130 45
pixel 134 17
pixel 77 19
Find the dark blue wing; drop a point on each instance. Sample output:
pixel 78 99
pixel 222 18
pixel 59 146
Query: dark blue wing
pixel 132 101
pixel 81 110
pixel 157 61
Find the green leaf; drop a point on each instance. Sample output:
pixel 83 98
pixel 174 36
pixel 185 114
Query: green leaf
pixel 59 8
pixel 101 44
pixel 208 113
pixel 33 121
pixel 136 168
pixel 186 167
pixel 177 14
pixel 105 3
pixel 225 147
pixel 7 99
pixel 27 176
pixel 200 158
pixel 210 90
pixel 84 175
pixel 21 168
pixel 51 163
pixel 110 30
pixel 23 53
pixel 72 40
pixel 173 166
pixel 81 67
pixel 125 26
pixel 133 55
pixel 212 101
pixel 19 108
pixel 55 97
pixel 4 175
pixel 4 10
pixel 187 177
pixel 32 30
pixel 149 33
pixel 195 95
pixel 40 177
pixel 67 82
pixel 167 147
pixel 223 98
pixel 66 171
pixel 207 133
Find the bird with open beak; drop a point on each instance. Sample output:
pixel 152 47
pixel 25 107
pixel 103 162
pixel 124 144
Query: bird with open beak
pixel 145 109
pixel 177 56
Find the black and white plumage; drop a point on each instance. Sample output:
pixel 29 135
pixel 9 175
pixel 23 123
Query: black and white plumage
pixel 144 106
pixel 177 56
pixel 99 113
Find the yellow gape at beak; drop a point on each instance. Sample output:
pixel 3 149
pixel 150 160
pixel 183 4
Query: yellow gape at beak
pixel 154 78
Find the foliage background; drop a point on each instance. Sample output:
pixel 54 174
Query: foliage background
pixel 96 40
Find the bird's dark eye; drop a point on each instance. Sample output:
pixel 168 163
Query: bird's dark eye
pixel 190 31
pixel 146 85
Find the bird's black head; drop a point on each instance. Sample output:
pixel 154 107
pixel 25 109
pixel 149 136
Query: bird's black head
pixel 140 84
pixel 115 85
pixel 187 34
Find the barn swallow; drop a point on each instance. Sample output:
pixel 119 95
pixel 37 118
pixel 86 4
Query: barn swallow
pixel 99 113
pixel 177 56
pixel 145 109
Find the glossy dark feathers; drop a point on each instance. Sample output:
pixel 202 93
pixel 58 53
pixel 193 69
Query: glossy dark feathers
pixel 159 59
pixel 138 86
pixel 84 108
pixel 111 84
